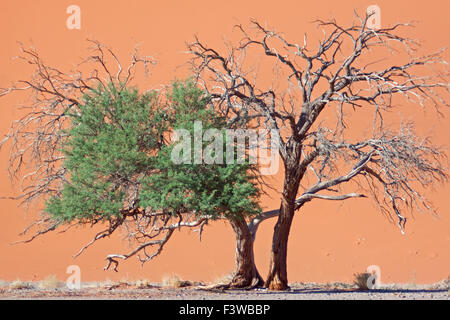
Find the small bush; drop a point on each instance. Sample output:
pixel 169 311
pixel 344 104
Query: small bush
pixel 174 281
pixel 361 280
pixel 171 281
pixel 20 285
pixel 143 284
pixel 50 282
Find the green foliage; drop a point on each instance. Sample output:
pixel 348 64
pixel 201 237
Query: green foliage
pixel 208 189
pixel 110 142
pixel 118 141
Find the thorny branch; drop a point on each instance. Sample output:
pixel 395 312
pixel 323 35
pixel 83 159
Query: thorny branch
pixel 149 232
pixel 36 139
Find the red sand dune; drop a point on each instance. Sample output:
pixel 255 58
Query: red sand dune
pixel 329 241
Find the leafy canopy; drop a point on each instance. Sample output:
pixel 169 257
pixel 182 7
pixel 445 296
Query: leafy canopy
pixel 118 152
pixel 210 189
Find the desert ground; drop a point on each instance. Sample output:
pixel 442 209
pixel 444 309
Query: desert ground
pixel 142 290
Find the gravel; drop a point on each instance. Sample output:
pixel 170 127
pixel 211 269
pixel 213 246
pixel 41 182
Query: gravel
pixel 298 291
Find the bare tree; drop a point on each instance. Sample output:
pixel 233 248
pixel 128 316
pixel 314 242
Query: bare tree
pixel 343 74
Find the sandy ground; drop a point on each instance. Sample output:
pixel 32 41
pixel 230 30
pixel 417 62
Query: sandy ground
pixel 347 236
pixel 298 291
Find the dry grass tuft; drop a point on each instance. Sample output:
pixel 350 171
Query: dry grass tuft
pixel 50 282
pixel 143 284
pixel 361 280
pixel 20 285
pixel 171 281
pixel 174 281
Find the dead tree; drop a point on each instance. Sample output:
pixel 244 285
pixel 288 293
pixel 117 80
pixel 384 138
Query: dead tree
pixel 343 74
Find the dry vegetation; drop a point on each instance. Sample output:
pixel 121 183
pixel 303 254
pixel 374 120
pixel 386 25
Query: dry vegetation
pixel 143 284
pixel 174 281
pixel 360 281
pixel 173 287
pixel 51 282
pixel 20 285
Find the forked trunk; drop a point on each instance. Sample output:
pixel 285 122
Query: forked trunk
pixel 246 274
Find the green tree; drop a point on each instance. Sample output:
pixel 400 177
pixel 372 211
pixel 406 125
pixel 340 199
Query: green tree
pixel 120 168
pixel 106 160
pixel 220 190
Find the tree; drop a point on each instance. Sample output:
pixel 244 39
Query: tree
pixel 99 155
pixel 313 94
pixel 218 190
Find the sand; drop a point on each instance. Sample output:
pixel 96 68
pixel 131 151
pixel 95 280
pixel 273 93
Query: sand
pixel 298 291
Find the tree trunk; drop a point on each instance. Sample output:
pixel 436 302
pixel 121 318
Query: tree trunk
pixel 246 274
pixel 277 277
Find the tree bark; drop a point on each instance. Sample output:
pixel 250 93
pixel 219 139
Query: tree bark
pixel 246 274
pixel 277 277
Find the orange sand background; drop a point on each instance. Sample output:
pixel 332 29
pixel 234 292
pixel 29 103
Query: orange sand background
pixel 329 241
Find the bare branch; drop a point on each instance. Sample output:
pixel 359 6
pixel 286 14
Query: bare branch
pixel 308 196
pixel 150 236
pixel 340 71
pixel 36 140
